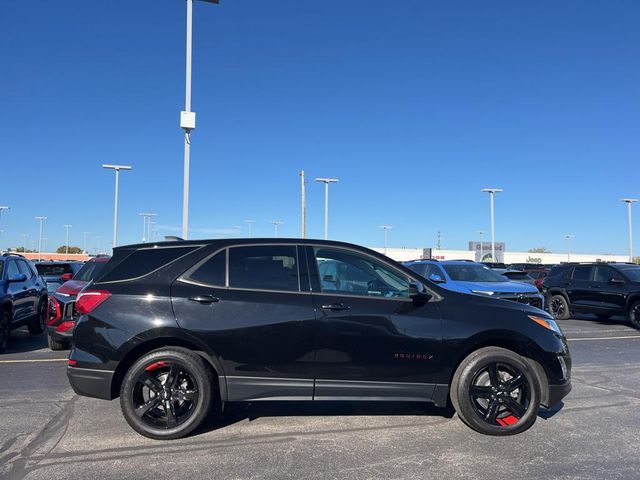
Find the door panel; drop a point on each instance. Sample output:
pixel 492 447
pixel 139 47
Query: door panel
pixel 610 296
pixel 579 286
pixel 19 292
pixel 372 347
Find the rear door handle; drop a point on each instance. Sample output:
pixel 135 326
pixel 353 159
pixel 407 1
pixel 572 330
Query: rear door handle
pixel 204 299
pixel 334 307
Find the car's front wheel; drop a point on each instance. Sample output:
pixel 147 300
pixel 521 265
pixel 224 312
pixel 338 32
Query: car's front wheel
pixel 634 315
pixel 5 329
pixel 559 307
pixel 36 325
pixel 167 393
pixel 56 345
pixel 495 392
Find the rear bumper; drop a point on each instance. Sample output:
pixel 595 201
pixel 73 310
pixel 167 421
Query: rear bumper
pixel 65 336
pixel 558 392
pixel 90 383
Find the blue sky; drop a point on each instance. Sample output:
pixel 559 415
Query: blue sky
pixel 414 105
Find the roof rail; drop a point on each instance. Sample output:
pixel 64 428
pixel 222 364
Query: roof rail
pixel 12 254
pixel 173 238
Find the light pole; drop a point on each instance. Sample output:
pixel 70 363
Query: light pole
pixel 568 238
pixel 480 233
pixel 629 201
pixel 250 225
pixel 326 182
pixel 98 238
pixel 24 242
pixel 188 120
pixel 84 244
pixel 276 223
pixel 385 228
pixel 491 191
pixel 41 220
pixel 146 225
pixel 117 169
pixel 66 245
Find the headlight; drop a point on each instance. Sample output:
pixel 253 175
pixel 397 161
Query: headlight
pixel 483 292
pixel 547 323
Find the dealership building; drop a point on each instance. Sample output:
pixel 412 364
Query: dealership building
pixel 482 252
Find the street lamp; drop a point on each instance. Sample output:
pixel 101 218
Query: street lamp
pixel 385 228
pixel 66 245
pixel 568 238
pixel 276 223
pixel 491 191
pixel 146 225
pixel 250 225
pixel 41 220
pixel 117 169
pixel 480 233
pixel 326 182
pixel 187 120
pixel 629 201
pixel 84 245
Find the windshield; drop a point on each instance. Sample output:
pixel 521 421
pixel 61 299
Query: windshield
pixel 472 273
pixel 632 273
pixel 89 271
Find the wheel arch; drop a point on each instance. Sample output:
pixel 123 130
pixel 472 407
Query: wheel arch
pixel 631 299
pixel 156 343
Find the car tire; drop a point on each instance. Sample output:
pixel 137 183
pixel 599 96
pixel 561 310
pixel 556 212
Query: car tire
pixel 163 411
pixel 633 315
pixel 495 392
pixel 56 345
pixel 5 330
pixel 559 307
pixel 37 323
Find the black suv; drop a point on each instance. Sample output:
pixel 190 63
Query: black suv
pixel 178 329
pixel 604 289
pixel 23 297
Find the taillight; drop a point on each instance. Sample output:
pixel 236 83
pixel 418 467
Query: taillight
pixel 54 311
pixel 88 300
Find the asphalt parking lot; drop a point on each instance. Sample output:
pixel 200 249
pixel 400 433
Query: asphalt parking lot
pixel 48 432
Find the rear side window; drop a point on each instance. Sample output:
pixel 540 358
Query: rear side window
pixel 268 267
pixel 582 272
pixel 212 272
pixel 144 261
pixel 89 271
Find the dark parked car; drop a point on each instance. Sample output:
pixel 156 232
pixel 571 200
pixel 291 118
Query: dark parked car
pixel 56 273
pixel 178 329
pixel 62 304
pixel 538 276
pixel 518 276
pixel 604 289
pixel 23 297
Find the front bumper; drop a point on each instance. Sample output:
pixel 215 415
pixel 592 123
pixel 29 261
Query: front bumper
pixel 90 382
pixel 533 299
pixel 558 392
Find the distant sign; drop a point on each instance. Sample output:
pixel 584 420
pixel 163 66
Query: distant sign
pixel 483 251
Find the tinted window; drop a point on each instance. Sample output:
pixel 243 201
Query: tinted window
pixel 12 269
pixel 24 268
pixel 434 270
pixel 144 261
pixel 269 267
pixel 419 268
pixel 582 272
pixel 472 272
pixel 604 274
pixel 89 271
pixel 518 276
pixel 212 272
pixel 53 269
pixel 349 273
pixel 633 273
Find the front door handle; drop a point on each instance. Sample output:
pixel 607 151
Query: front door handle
pixel 204 299
pixel 334 307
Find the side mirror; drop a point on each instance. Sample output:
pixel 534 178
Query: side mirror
pixel 435 278
pixel 616 281
pixel 21 277
pixel 418 293
pixel 66 276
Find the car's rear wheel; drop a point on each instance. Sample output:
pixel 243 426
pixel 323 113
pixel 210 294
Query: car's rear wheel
pixel 559 307
pixel 36 325
pixel 634 315
pixel 5 330
pixel 167 393
pixel 56 345
pixel 495 392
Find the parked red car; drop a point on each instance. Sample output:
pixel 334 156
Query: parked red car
pixel 538 276
pixel 62 304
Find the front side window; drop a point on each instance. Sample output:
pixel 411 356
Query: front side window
pixel 268 267
pixel 343 272
pixel 605 274
pixel 24 268
pixel 632 273
pixel 12 269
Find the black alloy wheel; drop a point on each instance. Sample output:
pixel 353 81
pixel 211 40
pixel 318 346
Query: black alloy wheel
pixel 634 315
pixel 4 330
pixel 496 392
pixel 167 393
pixel 37 324
pixel 559 308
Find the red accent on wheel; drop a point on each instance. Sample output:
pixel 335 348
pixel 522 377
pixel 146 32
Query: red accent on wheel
pixel 510 420
pixel 155 366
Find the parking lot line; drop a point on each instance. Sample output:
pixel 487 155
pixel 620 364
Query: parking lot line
pixel 603 338
pixel 35 360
